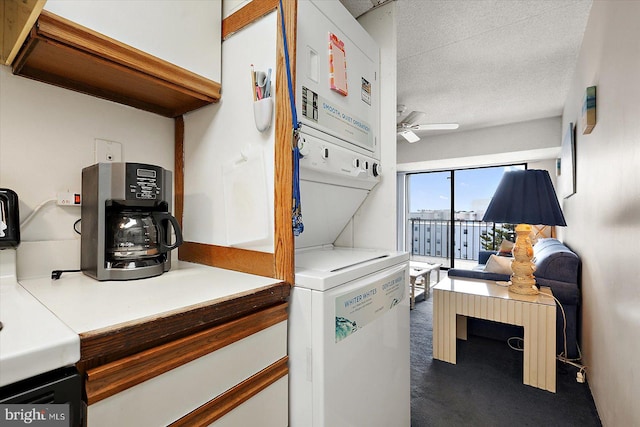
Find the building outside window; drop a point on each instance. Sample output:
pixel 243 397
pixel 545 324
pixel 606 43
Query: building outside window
pixel 449 205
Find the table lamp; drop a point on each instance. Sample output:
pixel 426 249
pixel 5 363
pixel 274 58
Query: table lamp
pixel 524 197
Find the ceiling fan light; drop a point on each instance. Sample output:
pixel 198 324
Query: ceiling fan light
pixel 409 136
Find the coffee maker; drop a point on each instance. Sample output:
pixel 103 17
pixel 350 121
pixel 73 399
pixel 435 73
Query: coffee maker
pixel 126 221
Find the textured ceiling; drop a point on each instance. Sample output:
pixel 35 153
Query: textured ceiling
pixel 482 62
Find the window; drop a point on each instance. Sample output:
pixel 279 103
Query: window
pixel 448 205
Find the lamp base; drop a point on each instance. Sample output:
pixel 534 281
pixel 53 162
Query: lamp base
pixel 523 289
pixel 522 280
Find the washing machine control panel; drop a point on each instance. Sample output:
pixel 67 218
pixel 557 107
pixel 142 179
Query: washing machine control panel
pixel 321 160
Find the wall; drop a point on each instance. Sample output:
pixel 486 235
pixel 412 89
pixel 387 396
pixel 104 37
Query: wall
pixel 378 212
pixel 603 216
pixel 517 142
pixel 162 29
pixel 46 138
pixel 231 6
pixel 535 142
pixel 229 172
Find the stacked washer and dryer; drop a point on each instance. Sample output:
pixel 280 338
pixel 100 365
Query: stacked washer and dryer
pixel 349 309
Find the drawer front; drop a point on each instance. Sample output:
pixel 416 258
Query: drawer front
pixel 269 408
pixel 167 397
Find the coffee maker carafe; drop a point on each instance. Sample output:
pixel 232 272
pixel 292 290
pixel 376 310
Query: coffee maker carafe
pixel 126 221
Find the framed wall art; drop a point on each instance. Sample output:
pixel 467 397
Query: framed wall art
pixel 589 110
pixel 568 162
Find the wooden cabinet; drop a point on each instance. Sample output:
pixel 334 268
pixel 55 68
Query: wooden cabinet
pixel 63 53
pixel 239 29
pixel 17 17
pixel 215 376
pixel 196 344
pixel 185 33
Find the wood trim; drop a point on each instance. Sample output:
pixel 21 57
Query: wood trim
pixel 62 30
pixel 234 397
pixel 107 380
pixel 107 345
pixel 281 264
pixel 283 233
pixel 244 260
pixel 246 15
pixel 68 55
pixel 17 17
pixel 179 168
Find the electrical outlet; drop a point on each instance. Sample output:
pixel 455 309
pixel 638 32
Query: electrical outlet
pixel 69 199
pixel 108 151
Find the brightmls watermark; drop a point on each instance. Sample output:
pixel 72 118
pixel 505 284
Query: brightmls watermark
pixel 52 415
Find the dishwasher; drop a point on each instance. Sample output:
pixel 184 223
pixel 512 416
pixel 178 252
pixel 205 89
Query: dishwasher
pixel 49 391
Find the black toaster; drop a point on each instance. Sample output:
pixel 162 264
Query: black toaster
pixel 10 219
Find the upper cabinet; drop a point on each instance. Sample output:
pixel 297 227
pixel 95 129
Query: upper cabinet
pixel 17 17
pixel 185 33
pixel 160 57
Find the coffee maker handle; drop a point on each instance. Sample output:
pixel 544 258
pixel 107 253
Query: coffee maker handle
pixel 166 216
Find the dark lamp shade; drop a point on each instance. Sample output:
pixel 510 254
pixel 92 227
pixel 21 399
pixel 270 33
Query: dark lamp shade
pixel 525 197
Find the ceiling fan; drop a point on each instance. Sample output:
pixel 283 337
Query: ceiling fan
pixel 411 123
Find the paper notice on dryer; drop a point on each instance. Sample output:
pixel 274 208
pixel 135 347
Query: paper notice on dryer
pixel 354 310
pixel 335 120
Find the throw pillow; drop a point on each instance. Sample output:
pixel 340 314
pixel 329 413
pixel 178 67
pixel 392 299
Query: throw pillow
pixel 505 248
pixel 498 264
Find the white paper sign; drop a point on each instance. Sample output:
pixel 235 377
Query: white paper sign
pixel 356 309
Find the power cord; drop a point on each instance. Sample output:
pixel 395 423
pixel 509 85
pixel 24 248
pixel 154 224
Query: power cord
pixel 55 274
pixel 35 211
pixel 519 341
pixel 582 369
pixel 40 206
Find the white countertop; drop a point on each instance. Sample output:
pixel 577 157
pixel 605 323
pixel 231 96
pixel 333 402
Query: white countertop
pixel 85 304
pixel 32 340
pixel 44 318
pixel 492 289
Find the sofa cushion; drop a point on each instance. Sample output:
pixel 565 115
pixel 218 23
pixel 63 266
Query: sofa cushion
pixel 478 273
pixel 555 261
pixel 506 246
pixel 556 267
pixel 498 264
pixel 483 257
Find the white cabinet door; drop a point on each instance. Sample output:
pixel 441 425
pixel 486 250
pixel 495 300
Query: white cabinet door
pixel 266 409
pixel 168 397
pixel 183 32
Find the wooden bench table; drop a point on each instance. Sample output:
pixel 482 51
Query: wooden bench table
pixel 456 298
pixel 423 270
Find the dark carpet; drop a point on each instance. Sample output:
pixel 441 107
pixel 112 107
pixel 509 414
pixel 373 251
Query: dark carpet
pixel 485 387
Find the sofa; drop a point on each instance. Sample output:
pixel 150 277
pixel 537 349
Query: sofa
pixel 556 267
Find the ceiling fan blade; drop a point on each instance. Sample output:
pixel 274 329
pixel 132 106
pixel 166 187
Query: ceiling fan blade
pixel 436 126
pixel 409 136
